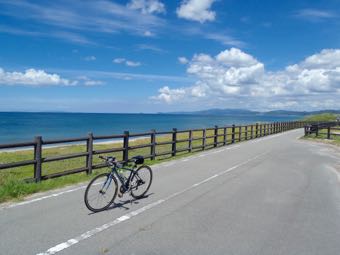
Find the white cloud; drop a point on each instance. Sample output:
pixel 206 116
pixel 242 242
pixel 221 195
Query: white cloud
pixel 104 16
pixel 90 58
pixel 148 33
pixel 147 6
pixel 233 74
pixel 169 95
pixel 151 48
pixel 132 63
pixel 183 60
pixel 126 62
pixel 314 14
pixel 89 82
pixel 196 10
pixel 119 60
pixel 33 77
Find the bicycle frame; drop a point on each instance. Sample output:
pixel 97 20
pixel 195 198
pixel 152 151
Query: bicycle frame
pixel 124 183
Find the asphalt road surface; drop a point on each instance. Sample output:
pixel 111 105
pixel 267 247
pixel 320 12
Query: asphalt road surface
pixel 273 195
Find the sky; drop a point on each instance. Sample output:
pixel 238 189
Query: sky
pixel 163 56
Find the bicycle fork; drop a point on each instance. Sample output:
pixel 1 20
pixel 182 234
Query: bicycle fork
pixel 106 185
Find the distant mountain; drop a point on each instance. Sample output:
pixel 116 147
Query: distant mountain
pixel 217 111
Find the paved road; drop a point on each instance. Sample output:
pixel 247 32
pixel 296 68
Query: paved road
pixel 274 195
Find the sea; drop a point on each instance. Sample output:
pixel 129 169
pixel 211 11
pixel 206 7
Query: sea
pixel 24 126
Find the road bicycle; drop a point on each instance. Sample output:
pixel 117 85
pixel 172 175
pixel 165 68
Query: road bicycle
pixel 102 189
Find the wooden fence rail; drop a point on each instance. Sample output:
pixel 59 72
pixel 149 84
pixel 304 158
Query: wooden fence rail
pixel 220 136
pixel 319 129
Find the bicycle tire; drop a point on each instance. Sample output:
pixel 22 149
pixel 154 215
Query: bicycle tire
pixel 92 185
pixel 142 172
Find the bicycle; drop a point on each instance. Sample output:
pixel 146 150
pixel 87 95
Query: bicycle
pixel 102 190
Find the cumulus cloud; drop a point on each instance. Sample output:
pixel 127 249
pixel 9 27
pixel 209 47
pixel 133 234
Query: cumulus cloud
pixel 126 62
pixel 147 6
pixel 196 10
pixel 233 73
pixel 33 77
pixel 169 95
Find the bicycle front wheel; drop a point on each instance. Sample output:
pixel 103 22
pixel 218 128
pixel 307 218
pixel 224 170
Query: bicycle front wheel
pixel 141 181
pixel 101 192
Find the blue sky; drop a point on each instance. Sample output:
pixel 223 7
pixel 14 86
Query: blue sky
pixel 157 55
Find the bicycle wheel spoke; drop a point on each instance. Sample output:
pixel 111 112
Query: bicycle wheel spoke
pixel 100 193
pixel 141 182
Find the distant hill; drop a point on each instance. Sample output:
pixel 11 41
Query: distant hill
pixel 217 111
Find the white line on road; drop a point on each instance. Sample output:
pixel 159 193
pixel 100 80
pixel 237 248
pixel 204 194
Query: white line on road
pixel 62 246
pixel 44 197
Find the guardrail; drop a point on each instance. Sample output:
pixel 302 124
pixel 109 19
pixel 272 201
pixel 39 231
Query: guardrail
pixel 229 135
pixel 318 129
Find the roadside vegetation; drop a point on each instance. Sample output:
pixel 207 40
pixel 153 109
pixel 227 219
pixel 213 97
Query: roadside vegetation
pixel 322 137
pixel 14 186
pixel 321 117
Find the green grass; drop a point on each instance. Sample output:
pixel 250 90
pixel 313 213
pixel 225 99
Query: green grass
pixel 14 187
pixel 322 137
pixel 321 117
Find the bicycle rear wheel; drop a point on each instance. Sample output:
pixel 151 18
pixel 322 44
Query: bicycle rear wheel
pixel 141 181
pixel 101 192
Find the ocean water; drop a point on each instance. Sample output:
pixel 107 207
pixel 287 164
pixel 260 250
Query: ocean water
pixel 22 127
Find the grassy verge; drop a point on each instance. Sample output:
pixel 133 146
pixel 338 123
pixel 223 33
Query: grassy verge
pixel 322 137
pixel 13 186
pixel 335 140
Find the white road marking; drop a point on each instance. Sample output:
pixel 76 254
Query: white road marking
pixel 62 246
pixel 44 197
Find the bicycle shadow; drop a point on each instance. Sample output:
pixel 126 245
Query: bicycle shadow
pixel 122 204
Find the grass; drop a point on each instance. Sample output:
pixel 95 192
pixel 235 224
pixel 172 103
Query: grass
pixel 13 186
pixel 321 117
pixel 322 137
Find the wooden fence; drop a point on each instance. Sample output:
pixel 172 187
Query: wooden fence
pixel 221 136
pixel 327 129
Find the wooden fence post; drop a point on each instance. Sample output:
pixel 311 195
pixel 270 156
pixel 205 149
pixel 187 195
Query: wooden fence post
pixel 246 132
pixel 190 140
pixel 215 136
pixel 252 131
pixel 174 142
pixel 240 133
pixel 153 144
pixel 271 128
pixel 225 133
pixel 89 149
pixel 233 133
pixel 204 137
pixel 261 130
pixel 256 130
pixel 38 158
pixel 264 129
pixel 126 146
pixel 329 133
